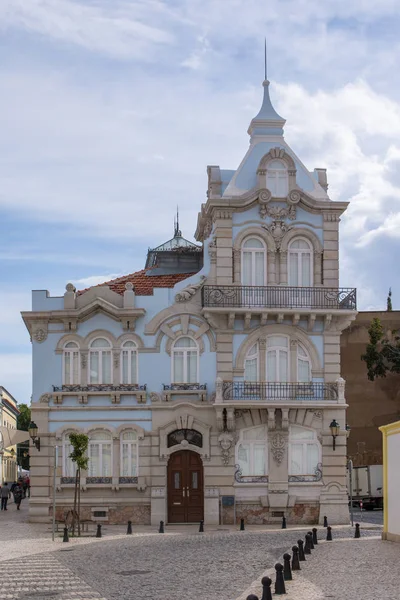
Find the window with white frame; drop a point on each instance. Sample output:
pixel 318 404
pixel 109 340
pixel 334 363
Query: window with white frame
pixel 277 179
pixel 304 451
pixel 68 466
pixel 252 451
pixel 300 263
pixel 71 371
pixel 100 454
pixel 185 361
pixel 303 365
pixel 278 358
pixel 129 363
pixel 254 262
pixel 129 454
pixel 100 363
pixel 251 364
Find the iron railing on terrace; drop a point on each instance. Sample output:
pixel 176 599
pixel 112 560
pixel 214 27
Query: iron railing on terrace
pixel 264 391
pixel 172 387
pixel 101 387
pixel 248 296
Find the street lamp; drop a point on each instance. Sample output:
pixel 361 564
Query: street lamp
pixel 335 428
pixel 33 433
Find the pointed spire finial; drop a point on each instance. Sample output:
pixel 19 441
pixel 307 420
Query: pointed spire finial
pixel 177 231
pixel 265 59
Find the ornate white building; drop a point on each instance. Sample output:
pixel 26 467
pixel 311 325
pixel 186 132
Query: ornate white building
pixel 207 382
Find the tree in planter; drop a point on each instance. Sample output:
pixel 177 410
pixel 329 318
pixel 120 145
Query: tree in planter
pixel 382 354
pixel 79 443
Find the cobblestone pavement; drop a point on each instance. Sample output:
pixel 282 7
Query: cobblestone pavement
pixel 191 566
pixel 42 577
pixel 181 564
pixel 344 570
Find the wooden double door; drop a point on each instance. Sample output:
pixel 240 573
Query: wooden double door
pixel 185 488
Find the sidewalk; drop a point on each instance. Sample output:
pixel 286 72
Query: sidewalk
pixel 345 569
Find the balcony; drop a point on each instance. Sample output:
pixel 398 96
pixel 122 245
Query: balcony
pixel 264 391
pixel 279 297
pixel 83 392
pixel 101 387
pixel 175 390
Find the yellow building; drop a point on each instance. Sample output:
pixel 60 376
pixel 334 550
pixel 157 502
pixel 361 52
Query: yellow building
pixel 8 418
pixel 391 481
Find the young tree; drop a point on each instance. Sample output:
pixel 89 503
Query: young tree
pixel 79 443
pixel 389 301
pixel 382 354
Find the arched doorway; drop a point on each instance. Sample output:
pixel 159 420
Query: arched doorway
pixel 185 488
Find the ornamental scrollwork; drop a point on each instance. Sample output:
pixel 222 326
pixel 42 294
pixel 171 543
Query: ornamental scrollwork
pixel 317 476
pixel 293 197
pixel 40 335
pixel 277 213
pixel 278 447
pixel 240 478
pixel 278 230
pixel 189 291
pixel 226 441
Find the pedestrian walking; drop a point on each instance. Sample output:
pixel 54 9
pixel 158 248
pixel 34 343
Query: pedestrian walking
pixel 13 486
pixel 5 495
pixel 24 486
pixel 18 495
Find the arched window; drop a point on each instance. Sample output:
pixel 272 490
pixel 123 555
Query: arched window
pixel 71 371
pixel 277 179
pixel 129 363
pixel 252 451
pixel 185 359
pixel 100 361
pixel 278 358
pixel 300 263
pixel 129 454
pixel 68 467
pixel 254 262
pixel 100 454
pixel 304 451
pixel 251 365
pixel 303 365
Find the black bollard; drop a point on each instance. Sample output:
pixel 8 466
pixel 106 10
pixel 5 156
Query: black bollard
pixel 325 522
pixel 311 540
pixel 314 536
pixel 307 546
pixel 329 534
pixel 65 538
pixel 300 544
pixel 241 524
pixel 266 583
pixel 201 528
pixel 357 533
pixel 252 597
pixel 279 582
pixel 287 571
pixel 161 528
pixel 295 559
pixel 98 532
pixel 129 530
pixel 283 522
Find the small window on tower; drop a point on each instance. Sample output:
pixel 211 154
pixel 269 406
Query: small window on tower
pixel 277 179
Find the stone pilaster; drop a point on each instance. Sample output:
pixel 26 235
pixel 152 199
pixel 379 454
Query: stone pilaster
pixel 224 355
pixel 331 250
pixel 223 235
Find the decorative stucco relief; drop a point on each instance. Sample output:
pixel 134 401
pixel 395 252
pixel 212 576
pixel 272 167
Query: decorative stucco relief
pixel 278 230
pixel 40 335
pixel 189 291
pixel 226 442
pixel 278 447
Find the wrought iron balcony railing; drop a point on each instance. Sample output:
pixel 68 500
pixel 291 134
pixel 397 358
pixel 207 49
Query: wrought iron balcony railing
pixel 264 391
pixel 177 387
pixel 101 387
pixel 246 296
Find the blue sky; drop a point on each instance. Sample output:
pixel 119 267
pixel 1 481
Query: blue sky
pixel 110 111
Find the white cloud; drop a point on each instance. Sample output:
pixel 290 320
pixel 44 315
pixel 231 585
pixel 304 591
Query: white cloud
pixel 113 28
pixel 16 375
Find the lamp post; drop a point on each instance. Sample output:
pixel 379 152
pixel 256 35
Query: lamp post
pixel 335 428
pixel 33 433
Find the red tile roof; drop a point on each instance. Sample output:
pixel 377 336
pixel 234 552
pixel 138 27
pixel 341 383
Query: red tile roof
pixel 143 284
